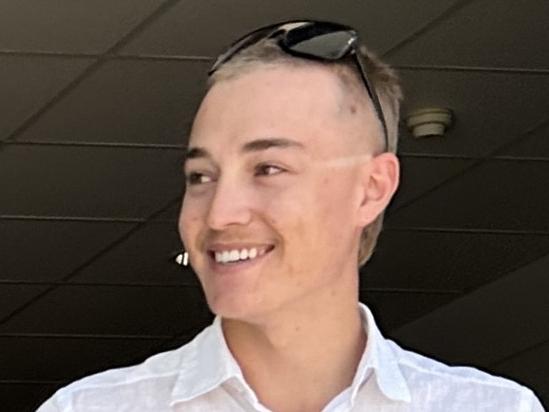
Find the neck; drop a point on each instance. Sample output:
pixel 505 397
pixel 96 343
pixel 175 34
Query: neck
pixel 302 356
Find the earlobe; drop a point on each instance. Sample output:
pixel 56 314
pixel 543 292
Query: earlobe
pixel 379 182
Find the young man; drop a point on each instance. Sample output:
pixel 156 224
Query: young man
pixel 290 166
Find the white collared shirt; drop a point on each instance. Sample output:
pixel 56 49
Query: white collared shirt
pixel 203 376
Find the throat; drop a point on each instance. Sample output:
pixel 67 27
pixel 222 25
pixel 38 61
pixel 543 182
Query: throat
pixel 298 365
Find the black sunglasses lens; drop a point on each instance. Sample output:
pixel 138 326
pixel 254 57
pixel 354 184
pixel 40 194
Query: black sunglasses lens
pixel 325 42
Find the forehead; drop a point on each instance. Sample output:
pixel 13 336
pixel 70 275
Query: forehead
pixel 302 103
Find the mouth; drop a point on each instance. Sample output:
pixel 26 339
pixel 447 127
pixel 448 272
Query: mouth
pixel 237 259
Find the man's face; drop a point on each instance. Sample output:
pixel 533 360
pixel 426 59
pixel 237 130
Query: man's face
pixel 272 177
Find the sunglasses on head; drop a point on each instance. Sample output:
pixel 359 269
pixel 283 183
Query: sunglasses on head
pixel 314 40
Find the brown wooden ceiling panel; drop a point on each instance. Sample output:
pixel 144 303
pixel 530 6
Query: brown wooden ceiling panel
pixel 503 318
pixel 24 397
pixel 535 144
pixel 38 358
pixel 485 33
pixel 529 368
pixel 418 175
pixel 431 260
pixel 128 101
pixel 88 181
pixel 498 194
pixel 156 311
pixel 491 109
pixel 394 309
pixel 176 32
pixel 13 296
pixel 33 250
pixel 69 26
pixel 145 257
pixel 23 89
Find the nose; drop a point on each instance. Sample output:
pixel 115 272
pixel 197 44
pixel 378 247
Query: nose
pixel 229 205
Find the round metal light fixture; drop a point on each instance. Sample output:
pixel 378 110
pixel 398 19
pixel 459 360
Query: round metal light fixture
pixel 429 122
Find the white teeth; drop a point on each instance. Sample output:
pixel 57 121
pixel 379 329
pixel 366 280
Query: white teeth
pixel 235 255
pixel 226 256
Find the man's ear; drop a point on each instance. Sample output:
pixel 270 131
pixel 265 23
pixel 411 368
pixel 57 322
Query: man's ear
pixel 379 181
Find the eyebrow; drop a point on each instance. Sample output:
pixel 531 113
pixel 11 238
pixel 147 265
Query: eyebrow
pixel 274 142
pixel 249 147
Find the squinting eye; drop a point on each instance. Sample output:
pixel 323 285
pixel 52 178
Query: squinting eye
pixel 195 178
pixel 267 170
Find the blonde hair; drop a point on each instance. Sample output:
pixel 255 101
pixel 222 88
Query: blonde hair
pixel 381 76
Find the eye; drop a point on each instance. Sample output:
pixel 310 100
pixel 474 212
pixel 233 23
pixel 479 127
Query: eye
pixel 196 178
pixel 267 170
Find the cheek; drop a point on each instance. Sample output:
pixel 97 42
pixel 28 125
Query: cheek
pixel 331 212
pixel 336 196
pixel 190 218
pixel 293 216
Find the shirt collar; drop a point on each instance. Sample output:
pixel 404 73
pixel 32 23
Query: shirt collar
pixel 380 360
pixel 206 363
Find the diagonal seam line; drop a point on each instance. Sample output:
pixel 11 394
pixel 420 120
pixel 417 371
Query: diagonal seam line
pixel 466 230
pixel 474 164
pixel 14 282
pixel 510 270
pixel 155 348
pixel 104 336
pixel 88 262
pixel 429 25
pixel 477 69
pixel 519 353
pixel 194 287
pixel 176 147
pixel 189 58
pixel 437 156
pixel 40 382
pixel 91 68
pixel 109 145
pixel 107 56
pixel 92 219
pixel 164 345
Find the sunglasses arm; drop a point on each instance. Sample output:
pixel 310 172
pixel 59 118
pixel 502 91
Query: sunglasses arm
pixel 361 66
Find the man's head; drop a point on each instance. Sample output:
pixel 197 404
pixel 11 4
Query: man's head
pixel 286 156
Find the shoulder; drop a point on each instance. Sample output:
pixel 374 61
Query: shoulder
pixel 146 383
pixel 430 380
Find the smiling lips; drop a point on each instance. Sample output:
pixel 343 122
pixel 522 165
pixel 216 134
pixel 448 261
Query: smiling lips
pixel 224 254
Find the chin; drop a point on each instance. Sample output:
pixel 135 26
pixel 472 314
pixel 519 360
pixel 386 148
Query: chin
pixel 234 307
